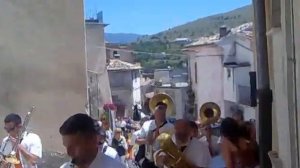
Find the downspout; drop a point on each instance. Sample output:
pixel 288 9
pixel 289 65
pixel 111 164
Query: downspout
pixel 263 84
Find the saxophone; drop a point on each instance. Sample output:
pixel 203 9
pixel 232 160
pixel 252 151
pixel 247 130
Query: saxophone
pixel 167 146
pixel 12 157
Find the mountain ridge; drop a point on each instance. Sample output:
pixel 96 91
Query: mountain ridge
pixel 205 26
pixel 122 38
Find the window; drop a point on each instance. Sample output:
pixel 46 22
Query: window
pixel 196 73
pixel 244 95
pixel 116 54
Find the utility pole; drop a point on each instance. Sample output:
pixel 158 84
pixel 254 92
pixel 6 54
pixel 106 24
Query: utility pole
pixel 264 91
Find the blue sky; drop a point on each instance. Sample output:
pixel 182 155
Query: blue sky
pixel 153 16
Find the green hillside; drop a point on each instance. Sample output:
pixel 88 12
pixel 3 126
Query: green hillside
pixel 206 26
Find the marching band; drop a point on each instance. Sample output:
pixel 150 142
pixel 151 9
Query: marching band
pixel 152 142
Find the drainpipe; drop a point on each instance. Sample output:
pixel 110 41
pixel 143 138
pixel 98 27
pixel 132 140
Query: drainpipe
pixel 264 91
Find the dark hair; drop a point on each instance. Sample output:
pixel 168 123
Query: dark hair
pixel 78 124
pixel 15 118
pixel 193 125
pixel 239 113
pixel 231 130
pixel 100 131
pixel 246 130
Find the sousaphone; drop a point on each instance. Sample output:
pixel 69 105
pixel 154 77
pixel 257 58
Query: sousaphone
pixel 209 113
pixel 165 98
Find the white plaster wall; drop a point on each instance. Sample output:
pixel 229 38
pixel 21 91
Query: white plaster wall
pixel 243 54
pixel 136 86
pixel 229 85
pixel 96 59
pixel 249 112
pixel 209 87
pixel 177 95
pixel 42 57
pixel 96 52
pixel 296 17
pixel 280 105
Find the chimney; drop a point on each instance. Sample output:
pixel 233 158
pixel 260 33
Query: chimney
pixel 223 31
pixel 100 17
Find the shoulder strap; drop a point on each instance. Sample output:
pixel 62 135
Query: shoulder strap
pixel 166 122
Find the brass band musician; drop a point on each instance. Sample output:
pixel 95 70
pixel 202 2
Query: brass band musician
pixel 29 151
pixel 192 152
pixel 150 130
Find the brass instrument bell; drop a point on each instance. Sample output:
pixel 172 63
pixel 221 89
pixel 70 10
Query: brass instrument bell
pixel 165 98
pixel 209 113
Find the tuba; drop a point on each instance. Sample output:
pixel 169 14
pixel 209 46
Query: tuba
pixel 12 158
pixel 209 113
pixel 165 98
pixel 167 146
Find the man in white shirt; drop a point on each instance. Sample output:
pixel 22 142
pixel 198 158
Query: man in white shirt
pixel 151 130
pixel 81 141
pixel 30 149
pixel 196 152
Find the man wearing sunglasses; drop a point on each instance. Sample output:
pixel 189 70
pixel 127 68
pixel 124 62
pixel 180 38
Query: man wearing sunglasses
pixel 30 149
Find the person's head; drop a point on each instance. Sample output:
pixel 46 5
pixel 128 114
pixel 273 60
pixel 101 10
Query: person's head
pixel 238 115
pixel 230 129
pixel 182 131
pixel 248 130
pixel 80 138
pixel 194 129
pixel 118 133
pixel 160 111
pixel 105 122
pixel 101 132
pixel 12 124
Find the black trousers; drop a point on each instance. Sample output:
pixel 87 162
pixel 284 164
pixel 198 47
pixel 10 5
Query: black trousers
pixel 148 164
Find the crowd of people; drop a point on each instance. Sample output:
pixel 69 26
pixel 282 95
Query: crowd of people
pixel 93 144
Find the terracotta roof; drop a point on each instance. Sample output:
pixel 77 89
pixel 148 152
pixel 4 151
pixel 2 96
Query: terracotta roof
pixel 116 64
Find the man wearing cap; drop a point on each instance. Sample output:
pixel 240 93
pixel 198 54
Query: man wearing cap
pixel 151 130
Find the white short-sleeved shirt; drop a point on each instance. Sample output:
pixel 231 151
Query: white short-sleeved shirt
pixel 32 144
pixel 109 136
pixel 109 151
pixel 150 126
pixel 196 152
pixel 123 124
pixel 101 161
pixel 135 136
